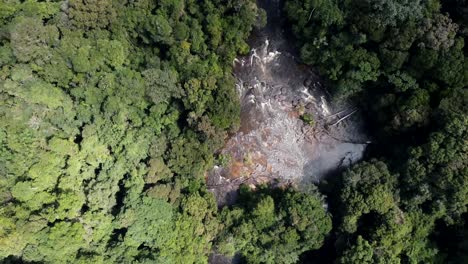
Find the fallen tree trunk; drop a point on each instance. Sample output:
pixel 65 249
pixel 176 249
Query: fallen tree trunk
pixel 344 118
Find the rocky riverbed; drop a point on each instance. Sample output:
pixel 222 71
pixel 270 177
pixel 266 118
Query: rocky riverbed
pixel 291 132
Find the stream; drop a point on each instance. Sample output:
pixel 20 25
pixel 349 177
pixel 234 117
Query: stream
pixel 273 144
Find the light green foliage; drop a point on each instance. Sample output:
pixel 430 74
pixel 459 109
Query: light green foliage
pixel 113 52
pixel 110 114
pixel 58 243
pixel 15 8
pixel 6 55
pixel 31 40
pixel 308 119
pixel 195 228
pixel 149 223
pixel 91 14
pixel 162 85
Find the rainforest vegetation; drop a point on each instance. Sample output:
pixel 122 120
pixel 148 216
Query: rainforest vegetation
pixel 405 63
pixel 111 113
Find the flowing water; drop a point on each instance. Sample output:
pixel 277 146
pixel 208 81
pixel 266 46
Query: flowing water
pixel 273 144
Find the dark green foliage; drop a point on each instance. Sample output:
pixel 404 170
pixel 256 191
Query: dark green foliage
pixel 273 225
pixel 397 58
pixel 435 176
pixel 405 62
pixel 368 188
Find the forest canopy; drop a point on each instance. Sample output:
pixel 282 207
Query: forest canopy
pixel 404 63
pixel 111 112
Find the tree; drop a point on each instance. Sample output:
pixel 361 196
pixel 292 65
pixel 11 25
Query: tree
pixel 368 188
pixel 149 224
pixel 162 85
pixel 111 112
pixel 361 252
pixel 435 173
pixel 440 32
pixel 390 12
pixel 91 14
pixel 31 39
pixel 273 226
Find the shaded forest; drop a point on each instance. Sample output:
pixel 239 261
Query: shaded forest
pixel 405 63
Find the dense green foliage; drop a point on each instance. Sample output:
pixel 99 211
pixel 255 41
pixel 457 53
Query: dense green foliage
pixel 405 63
pixel 273 225
pixel 110 112
pixel 405 53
